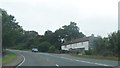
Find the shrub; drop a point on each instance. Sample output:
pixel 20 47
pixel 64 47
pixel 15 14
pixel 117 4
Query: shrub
pixel 44 46
pixel 51 49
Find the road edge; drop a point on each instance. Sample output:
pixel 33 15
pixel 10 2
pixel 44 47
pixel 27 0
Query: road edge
pixel 16 63
pixel 21 61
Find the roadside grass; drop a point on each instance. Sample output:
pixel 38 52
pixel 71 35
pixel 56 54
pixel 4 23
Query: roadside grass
pixel 10 56
pixel 0 60
pixel 97 57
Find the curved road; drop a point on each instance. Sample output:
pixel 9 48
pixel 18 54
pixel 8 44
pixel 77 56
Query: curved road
pixel 58 60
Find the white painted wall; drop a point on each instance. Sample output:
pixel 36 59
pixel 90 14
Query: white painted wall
pixel 64 48
pixel 86 45
pixel 76 45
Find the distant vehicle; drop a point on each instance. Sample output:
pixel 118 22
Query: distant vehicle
pixel 34 50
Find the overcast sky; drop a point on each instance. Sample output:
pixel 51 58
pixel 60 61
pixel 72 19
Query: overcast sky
pixel 99 17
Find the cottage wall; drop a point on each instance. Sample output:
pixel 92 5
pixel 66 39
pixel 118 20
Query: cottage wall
pixel 79 45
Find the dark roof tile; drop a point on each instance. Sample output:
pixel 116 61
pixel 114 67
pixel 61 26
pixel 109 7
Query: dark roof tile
pixel 77 40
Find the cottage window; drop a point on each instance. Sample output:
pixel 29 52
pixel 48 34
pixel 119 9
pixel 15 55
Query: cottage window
pixel 82 43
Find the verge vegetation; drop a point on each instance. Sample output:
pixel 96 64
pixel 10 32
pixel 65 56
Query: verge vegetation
pixel 8 57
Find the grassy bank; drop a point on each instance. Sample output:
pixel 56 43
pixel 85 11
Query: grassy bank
pixel 97 57
pixel 0 60
pixel 9 56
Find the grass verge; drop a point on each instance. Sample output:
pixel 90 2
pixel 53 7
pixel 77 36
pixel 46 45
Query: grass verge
pixel 0 60
pixel 10 56
pixel 97 57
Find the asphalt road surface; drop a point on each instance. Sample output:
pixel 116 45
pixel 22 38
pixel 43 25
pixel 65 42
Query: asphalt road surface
pixel 58 60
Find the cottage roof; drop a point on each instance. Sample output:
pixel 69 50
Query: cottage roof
pixel 77 40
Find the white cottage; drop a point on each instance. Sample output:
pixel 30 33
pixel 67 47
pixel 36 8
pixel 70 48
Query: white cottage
pixel 79 45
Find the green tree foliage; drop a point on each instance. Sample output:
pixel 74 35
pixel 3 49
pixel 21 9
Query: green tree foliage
pixel 101 46
pixel 14 36
pixel 108 46
pixel 114 42
pixel 11 31
pixel 71 31
pixel 29 38
pixel 67 32
pixel 44 46
pixel 48 36
pixel 52 49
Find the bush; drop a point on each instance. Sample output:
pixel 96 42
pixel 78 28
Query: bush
pixel 107 53
pixel 57 51
pixel 51 49
pixel 88 52
pixel 44 46
pixel 64 51
pixel 20 46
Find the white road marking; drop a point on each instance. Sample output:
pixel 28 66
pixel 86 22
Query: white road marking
pixel 101 64
pixel 66 58
pixel 86 61
pixel 94 63
pixel 22 61
pixel 57 65
pixel 62 57
pixel 70 59
pixel 76 60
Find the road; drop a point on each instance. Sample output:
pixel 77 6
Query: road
pixel 58 60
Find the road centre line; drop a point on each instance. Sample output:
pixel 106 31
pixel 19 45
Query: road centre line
pixel 86 61
pixel 94 63
pixel 76 60
pixel 80 60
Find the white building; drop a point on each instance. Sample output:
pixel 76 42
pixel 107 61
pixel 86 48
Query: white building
pixel 81 44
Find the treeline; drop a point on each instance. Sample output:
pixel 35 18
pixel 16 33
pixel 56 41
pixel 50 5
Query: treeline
pixel 14 36
pixel 107 46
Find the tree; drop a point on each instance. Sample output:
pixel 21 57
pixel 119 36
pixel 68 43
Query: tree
pixel 114 42
pixel 48 36
pixel 72 31
pixel 44 46
pixel 118 43
pixel 107 46
pixel 48 33
pixel 10 30
pixel 52 49
pixel 14 36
